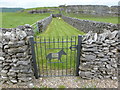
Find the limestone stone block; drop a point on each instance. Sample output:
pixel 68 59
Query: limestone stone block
pixel 109 41
pixel 7 35
pixel 104 59
pixel 5 78
pixel 2 59
pixel 25 79
pixel 17 50
pixel 30 85
pixel 15 60
pixel 1 45
pixel 23 63
pixel 100 55
pixel 21 34
pixel 90 57
pixel 114 78
pixel 94 49
pixel 85 68
pixel 13 81
pixel 6 67
pixel 108 66
pixel 113 34
pixel 4 71
pixel 11 73
pixel 16 44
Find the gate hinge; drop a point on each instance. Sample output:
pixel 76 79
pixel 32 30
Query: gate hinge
pixel 73 47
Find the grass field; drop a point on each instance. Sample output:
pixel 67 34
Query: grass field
pixel 40 8
pixel 60 28
pixel 107 19
pixel 0 19
pixel 57 31
pixel 12 20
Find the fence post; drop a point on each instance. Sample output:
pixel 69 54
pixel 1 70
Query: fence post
pixel 78 54
pixel 34 57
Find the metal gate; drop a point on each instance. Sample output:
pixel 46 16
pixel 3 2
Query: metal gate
pixel 56 56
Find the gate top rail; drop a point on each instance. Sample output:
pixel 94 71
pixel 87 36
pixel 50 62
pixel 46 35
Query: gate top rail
pixel 56 42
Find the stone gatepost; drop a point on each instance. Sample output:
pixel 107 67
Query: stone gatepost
pixel 15 55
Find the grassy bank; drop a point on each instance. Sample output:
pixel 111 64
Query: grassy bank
pixel 12 20
pixel 107 19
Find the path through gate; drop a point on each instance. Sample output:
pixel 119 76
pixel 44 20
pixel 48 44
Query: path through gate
pixel 56 56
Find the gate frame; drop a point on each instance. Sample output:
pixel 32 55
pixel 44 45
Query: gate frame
pixel 34 57
pixel 78 47
pixel 78 54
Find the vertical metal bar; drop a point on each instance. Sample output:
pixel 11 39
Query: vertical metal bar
pixel 54 48
pixel 54 69
pixel 78 54
pixel 50 61
pixel 74 57
pixel 45 57
pixel 41 57
pixel 37 55
pixel 58 42
pixel 62 48
pixel 54 42
pixel 33 57
pixel 58 47
pixel 49 42
pixel 67 53
pixel 70 55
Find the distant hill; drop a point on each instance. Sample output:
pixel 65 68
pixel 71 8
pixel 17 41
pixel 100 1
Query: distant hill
pixel 10 9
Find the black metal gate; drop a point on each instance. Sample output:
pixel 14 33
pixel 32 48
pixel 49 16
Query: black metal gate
pixel 56 56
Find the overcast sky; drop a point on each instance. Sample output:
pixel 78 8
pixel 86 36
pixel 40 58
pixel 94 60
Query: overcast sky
pixel 46 3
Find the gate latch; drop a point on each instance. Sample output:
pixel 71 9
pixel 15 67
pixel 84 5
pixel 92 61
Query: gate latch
pixel 73 47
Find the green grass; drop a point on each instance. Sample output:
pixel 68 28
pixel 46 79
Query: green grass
pixel 107 19
pixel 58 30
pixel 12 20
pixel 0 19
pixel 61 86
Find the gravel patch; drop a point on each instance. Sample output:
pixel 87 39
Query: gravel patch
pixel 74 82
pixel 68 82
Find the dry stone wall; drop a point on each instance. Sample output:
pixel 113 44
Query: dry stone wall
pixel 15 55
pixel 40 11
pixel 42 24
pixel 86 25
pixel 118 57
pixel 100 10
pixel 56 15
pixel 99 55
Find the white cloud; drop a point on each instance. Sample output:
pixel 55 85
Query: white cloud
pixel 42 3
